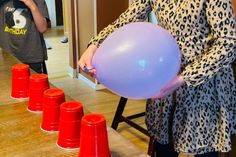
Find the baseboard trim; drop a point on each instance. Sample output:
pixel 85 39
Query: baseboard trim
pixel 72 72
pixel 94 85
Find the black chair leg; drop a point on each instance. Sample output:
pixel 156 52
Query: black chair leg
pixel 118 115
pixel 120 118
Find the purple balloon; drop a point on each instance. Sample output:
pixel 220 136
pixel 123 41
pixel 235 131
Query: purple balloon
pixel 137 60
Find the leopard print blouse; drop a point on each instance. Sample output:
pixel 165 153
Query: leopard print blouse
pixel 201 116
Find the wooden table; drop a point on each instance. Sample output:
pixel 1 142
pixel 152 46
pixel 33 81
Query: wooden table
pixel 20 133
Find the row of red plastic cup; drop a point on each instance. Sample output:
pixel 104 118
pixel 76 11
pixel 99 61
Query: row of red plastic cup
pixel 29 86
pixel 76 130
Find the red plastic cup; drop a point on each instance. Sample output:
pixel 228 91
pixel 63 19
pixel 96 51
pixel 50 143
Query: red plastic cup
pixel 38 83
pixel 52 99
pixel 71 114
pixel 20 81
pixel 93 137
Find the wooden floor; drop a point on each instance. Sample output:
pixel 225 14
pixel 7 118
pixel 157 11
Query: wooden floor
pixel 101 101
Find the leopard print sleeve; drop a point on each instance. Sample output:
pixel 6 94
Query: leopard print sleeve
pixel 222 51
pixel 137 12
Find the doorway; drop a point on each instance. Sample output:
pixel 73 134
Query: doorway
pixel 59 12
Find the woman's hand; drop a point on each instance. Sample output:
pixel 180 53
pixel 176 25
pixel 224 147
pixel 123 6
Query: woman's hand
pixel 85 62
pixel 170 87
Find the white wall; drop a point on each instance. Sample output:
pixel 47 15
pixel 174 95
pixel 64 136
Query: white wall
pixel 52 12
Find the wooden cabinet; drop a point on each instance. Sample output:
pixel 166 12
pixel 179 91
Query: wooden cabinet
pixel 93 17
pixel 87 18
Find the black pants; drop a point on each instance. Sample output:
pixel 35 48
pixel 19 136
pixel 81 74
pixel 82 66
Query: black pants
pixel 38 67
pixel 211 154
pixel 167 150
